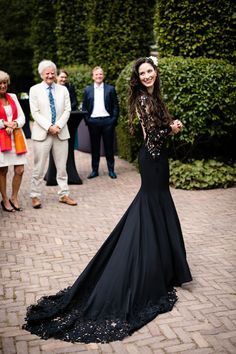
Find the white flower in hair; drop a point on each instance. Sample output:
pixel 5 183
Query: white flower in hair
pixel 154 59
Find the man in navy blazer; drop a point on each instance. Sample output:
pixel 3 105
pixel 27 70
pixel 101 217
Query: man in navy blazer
pixel 101 103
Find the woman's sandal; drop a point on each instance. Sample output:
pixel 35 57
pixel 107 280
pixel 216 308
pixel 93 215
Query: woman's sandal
pixel 5 209
pixel 14 207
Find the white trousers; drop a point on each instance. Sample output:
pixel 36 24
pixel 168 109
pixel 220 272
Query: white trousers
pixel 41 151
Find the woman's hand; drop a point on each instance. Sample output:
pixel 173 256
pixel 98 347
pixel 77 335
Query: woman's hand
pixel 9 130
pixel 176 126
pixel 12 125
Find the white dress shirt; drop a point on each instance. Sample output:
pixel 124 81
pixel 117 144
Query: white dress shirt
pixel 99 109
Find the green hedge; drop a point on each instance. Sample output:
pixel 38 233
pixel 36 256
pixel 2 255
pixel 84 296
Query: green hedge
pixel 201 93
pixel 127 145
pixel 118 32
pixel 42 37
pixel 71 32
pixel 80 77
pixel 201 174
pixel 196 28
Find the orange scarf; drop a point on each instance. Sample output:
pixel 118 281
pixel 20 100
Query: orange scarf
pixel 5 139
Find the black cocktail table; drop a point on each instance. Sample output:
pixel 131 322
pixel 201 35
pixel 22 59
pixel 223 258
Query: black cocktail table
pixel 73 176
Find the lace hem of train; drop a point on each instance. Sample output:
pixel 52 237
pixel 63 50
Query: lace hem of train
pixel 71 326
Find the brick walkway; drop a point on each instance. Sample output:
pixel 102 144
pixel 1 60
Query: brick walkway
pixel 43 251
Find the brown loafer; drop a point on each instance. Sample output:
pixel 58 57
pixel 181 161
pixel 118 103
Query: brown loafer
pixel 67 200
pixel 36 203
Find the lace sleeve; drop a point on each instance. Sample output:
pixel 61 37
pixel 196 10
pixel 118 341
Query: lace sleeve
pixel 155 135
pixel 155 140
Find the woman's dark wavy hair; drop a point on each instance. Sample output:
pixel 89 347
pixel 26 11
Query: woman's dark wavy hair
pixel 156 105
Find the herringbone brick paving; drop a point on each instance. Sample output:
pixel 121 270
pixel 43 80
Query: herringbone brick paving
pixel 43 251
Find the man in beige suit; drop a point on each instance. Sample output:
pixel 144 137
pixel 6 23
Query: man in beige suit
pixel 50 108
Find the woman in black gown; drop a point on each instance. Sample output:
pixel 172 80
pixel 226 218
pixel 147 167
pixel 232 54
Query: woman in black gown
pixel 131 279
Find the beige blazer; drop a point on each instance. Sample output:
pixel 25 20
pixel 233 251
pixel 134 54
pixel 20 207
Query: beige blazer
pixel 41 112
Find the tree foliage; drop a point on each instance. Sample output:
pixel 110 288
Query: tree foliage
pixel 196 28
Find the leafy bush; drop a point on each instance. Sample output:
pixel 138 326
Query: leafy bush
pixel 197 28
pixel 80 77
pixel 201 174
pixel 201 93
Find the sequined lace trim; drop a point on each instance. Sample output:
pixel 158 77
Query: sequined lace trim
pixel 50 318
pixel 155 135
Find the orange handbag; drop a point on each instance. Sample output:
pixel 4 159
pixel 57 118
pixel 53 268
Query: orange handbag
pixel 19 141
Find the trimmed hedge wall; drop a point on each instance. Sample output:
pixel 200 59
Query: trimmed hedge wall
pixel 71 32
pixel 118 32
pixel 42 37
pixel 128 145
pixel 58 32
pixel 196 28
pixel 201 93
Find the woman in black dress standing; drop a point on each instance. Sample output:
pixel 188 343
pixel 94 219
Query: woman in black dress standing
pixel 132 277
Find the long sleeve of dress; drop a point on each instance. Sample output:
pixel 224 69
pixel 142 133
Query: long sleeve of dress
pixel 155 135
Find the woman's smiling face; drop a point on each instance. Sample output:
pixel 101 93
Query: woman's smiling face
pixel 147 75
pixel 3 87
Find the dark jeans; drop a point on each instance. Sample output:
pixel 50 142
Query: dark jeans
pixel 107 132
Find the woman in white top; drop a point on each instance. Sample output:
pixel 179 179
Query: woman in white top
pixel 12 144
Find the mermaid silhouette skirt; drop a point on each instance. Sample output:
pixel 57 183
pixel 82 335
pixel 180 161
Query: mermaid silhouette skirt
pixel 132 277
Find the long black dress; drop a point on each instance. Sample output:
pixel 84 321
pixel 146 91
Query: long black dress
pixel 131 279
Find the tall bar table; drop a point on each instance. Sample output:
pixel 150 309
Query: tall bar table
pixel 73 176
pixel 24 102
